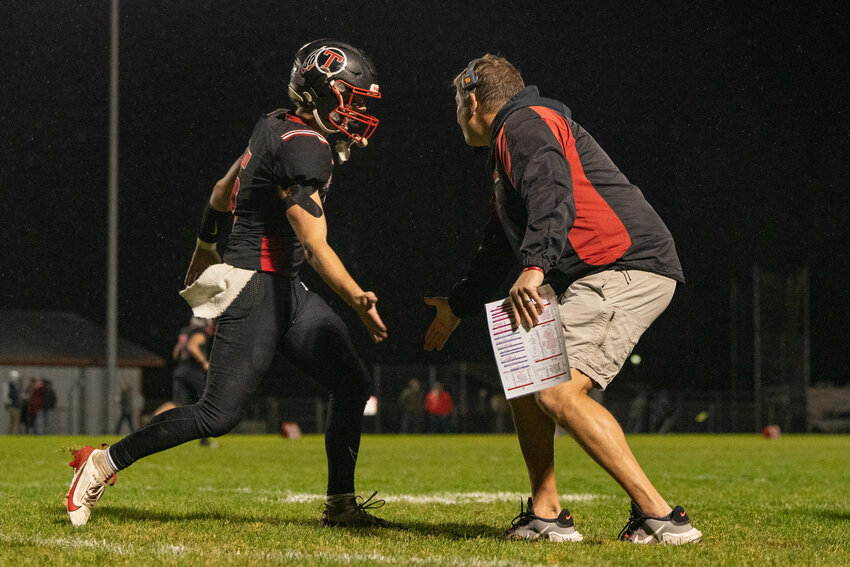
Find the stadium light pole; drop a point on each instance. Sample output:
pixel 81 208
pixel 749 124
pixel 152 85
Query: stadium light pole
pixel 757 393
pixel 112 246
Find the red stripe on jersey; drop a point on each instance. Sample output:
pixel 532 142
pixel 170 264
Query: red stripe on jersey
pixel 235 192
pixel 598 235
pixel 293 118
pixel 503 154
pixel 245 159
pixel 270 247
pixel 293 133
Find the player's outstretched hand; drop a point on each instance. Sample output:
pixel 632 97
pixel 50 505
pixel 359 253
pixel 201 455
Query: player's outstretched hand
pixel 365 307
pixel 201 260
pixel 443 325
pixel 525 302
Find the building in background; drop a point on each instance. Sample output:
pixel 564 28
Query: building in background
pixel 70 351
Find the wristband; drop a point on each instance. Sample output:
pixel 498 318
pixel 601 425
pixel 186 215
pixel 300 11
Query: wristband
pixel 211 224
pixel 533 268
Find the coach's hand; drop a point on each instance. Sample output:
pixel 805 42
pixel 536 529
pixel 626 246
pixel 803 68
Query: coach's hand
pixel 443 325
pixel 201 260
pixel 365 307
pixel 525 303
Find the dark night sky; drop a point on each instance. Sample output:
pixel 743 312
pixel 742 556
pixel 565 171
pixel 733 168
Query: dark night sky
pixel 732 120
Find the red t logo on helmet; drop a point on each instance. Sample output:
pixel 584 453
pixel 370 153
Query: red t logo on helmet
pixel 335 61
pixel 329 60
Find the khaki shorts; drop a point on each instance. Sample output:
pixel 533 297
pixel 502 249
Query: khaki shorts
pixel 603 315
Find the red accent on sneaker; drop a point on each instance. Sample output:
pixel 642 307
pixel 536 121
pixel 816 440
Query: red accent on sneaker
pixel 81 456
pixel 682 514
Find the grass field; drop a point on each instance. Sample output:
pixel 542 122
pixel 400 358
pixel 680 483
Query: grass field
pixel 256 500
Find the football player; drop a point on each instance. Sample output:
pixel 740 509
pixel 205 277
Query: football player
pixel 275 191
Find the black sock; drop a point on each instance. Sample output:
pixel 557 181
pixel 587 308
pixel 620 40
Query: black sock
pixel 342 442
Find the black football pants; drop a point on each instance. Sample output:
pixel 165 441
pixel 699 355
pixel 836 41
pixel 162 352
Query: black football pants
pixel 271 313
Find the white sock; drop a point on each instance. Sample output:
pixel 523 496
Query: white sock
pixel 339 498
pixel 103 463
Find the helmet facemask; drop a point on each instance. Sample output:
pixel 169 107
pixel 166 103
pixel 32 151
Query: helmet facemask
pixel 346 113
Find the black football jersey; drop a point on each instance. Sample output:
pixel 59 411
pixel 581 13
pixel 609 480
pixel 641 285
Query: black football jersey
pixel 283 151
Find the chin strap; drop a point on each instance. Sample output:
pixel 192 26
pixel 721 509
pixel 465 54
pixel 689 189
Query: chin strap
pixel 343 148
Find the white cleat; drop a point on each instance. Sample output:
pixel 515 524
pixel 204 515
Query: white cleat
pixel 87 485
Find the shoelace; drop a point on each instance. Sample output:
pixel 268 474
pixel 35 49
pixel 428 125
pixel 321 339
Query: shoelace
pixel 368 504
pixel 76 462
pixel 524 517
pixel 635 521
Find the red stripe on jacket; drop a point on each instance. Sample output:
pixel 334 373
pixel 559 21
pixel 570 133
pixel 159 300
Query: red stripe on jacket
pixel 503 154
pixel 598 235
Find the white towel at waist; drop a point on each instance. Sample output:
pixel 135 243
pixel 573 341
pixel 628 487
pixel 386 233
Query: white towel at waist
pixel 214 291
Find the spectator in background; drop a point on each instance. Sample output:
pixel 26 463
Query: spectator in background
pixel 662 414
pixel 48 405
pixel 192 355
pixel 479 419
pixel 26 421
pixel 12 401
pixel 412 402
pixel 637 411
pixel 438 404
pixel 125 402
pixel 35 406
pixel 500 408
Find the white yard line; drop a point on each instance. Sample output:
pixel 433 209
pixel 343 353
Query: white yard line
pixel 96 544
pixel 477 497
pixel 279 556
pixel 286 497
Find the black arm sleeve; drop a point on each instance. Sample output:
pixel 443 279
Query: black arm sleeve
pixel 489 267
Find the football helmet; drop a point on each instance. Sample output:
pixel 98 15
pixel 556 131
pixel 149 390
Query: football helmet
pixel 335 81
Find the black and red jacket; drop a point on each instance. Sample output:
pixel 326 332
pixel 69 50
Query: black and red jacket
pixel 561 204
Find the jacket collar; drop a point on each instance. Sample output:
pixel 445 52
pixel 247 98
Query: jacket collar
pixel 529 96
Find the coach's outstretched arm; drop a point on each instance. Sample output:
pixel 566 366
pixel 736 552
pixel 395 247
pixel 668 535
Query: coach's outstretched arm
pixel 205 254
pixel 488 268
pixel 312 232
pixel 443 325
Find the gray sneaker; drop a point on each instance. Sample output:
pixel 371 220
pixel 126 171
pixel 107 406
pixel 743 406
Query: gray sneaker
pixel 673 529
pixel 529 526
pixel 351 513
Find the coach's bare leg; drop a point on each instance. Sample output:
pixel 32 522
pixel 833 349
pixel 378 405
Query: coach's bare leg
pixel 536 432
pixel 599 434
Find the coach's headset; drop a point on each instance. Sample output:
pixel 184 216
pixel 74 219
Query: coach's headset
pixel 468 81
pixel 469 78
